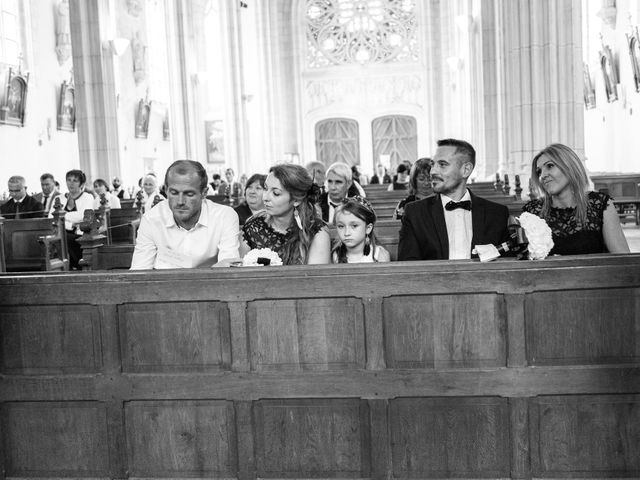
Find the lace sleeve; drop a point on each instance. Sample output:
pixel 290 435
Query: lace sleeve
pixel 533 206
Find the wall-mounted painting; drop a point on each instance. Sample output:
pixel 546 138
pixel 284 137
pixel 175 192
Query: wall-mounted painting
pixel 67 107
pixel 609 73
pixel 634 53
pixel 166 133
pixel 142 118
pixel 589 90
pixel 13 109
pixel 214 133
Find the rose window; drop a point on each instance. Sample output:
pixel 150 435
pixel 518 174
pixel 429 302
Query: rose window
pixel 360 31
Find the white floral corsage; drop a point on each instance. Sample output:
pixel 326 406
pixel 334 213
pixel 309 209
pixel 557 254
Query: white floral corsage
pixel 530 237
pixel 261 256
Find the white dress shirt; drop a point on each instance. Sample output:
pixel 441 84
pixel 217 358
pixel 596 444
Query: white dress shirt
pixel 161 243
pixel 459 228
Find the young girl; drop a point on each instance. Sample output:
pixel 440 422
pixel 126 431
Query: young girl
pixel 354 219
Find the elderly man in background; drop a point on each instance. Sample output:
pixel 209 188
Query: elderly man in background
pixel 20 205
pixel 340 184
pixel 49 191
pixel 186 231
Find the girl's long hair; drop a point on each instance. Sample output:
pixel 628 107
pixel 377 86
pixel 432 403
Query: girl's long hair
pixel 298 183
pixel 570 164
pixel 362 209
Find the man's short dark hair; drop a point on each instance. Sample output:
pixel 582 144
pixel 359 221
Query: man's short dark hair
pixel 462 147
pixel 184 167
pixel 44 176
pixel 215 176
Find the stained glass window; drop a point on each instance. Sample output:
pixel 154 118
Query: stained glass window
pixel 360 31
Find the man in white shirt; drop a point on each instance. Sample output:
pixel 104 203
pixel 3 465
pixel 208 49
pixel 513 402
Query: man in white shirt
pixel 186 231
pixel 449 224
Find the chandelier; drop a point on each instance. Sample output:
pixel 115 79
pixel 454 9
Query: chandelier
pixel 360 31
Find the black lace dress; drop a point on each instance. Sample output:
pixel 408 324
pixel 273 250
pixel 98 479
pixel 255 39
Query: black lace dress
pixel 569 237
pixel 257 233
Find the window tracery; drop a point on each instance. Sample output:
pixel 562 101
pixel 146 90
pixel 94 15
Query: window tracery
pixel 360 31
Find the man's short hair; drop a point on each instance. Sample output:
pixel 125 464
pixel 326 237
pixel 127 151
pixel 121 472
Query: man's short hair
pixel 17 179
pixel 342 170
pixel 184 167
pixel 462 147
pixel 215 176
pixel 230 170
pixel 45 176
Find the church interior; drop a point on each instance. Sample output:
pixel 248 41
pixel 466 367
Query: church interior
pixel 409 369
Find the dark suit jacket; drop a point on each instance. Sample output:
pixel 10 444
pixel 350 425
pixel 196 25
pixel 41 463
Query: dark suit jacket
pixel 52 198
pixel 323 201
pixel 29 208
pixel 423 235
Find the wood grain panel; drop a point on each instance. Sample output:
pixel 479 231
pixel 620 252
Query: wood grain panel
pixel 181 336
pixel 445 331
pixel 55 439
pixel 50 339
pixel 588 436
pixel 450 437
pixel 583 327
pixel 323 438
pixel 185 438
pixel 306 334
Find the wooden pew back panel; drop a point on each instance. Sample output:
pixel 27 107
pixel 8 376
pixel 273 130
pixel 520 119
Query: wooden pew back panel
pixel 34 244
pixel 413 370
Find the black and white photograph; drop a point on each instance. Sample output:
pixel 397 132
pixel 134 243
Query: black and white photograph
pixel 319 239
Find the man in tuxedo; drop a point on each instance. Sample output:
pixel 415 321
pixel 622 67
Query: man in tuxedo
pixel 118 191
pixel 49 191
pixel 450 224
pixel 20 205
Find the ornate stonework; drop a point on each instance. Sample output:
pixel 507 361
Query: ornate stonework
pixel 365 91
pixel 360 31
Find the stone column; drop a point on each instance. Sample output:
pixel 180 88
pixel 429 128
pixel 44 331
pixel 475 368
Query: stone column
pixel 538 54
pixel 544 77
pixel 96 117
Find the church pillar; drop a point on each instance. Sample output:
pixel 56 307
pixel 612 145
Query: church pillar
pixel 235 111
pixel 96 118
pixel 542 45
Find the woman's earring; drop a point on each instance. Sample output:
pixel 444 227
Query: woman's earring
pixel 296 217
pixel 367 245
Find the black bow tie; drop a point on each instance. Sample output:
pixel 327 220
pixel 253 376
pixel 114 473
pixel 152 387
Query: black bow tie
pixel 465 204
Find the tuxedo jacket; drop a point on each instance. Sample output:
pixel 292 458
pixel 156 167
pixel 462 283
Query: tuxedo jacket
pixel 423 234
pixel 29 208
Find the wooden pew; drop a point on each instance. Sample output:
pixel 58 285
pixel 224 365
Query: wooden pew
pixel 33 244
pixel 407 370
pixel 122 225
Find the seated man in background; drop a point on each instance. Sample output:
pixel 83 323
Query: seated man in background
pixel 340 185
pixel 117 190
pixel 448 225
pixel 381 175
pixel 187 230
pixel 20 205
pixel 49 191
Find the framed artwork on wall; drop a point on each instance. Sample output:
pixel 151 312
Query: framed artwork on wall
pixel 13 109
pixel 589 90
pixel 609 73
pixel 214 133
pixel 142 118
pixel 67 107
pixel 634 53
pixel 166 133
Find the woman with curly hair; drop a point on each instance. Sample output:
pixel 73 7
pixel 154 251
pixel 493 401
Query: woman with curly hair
pixel 289 225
